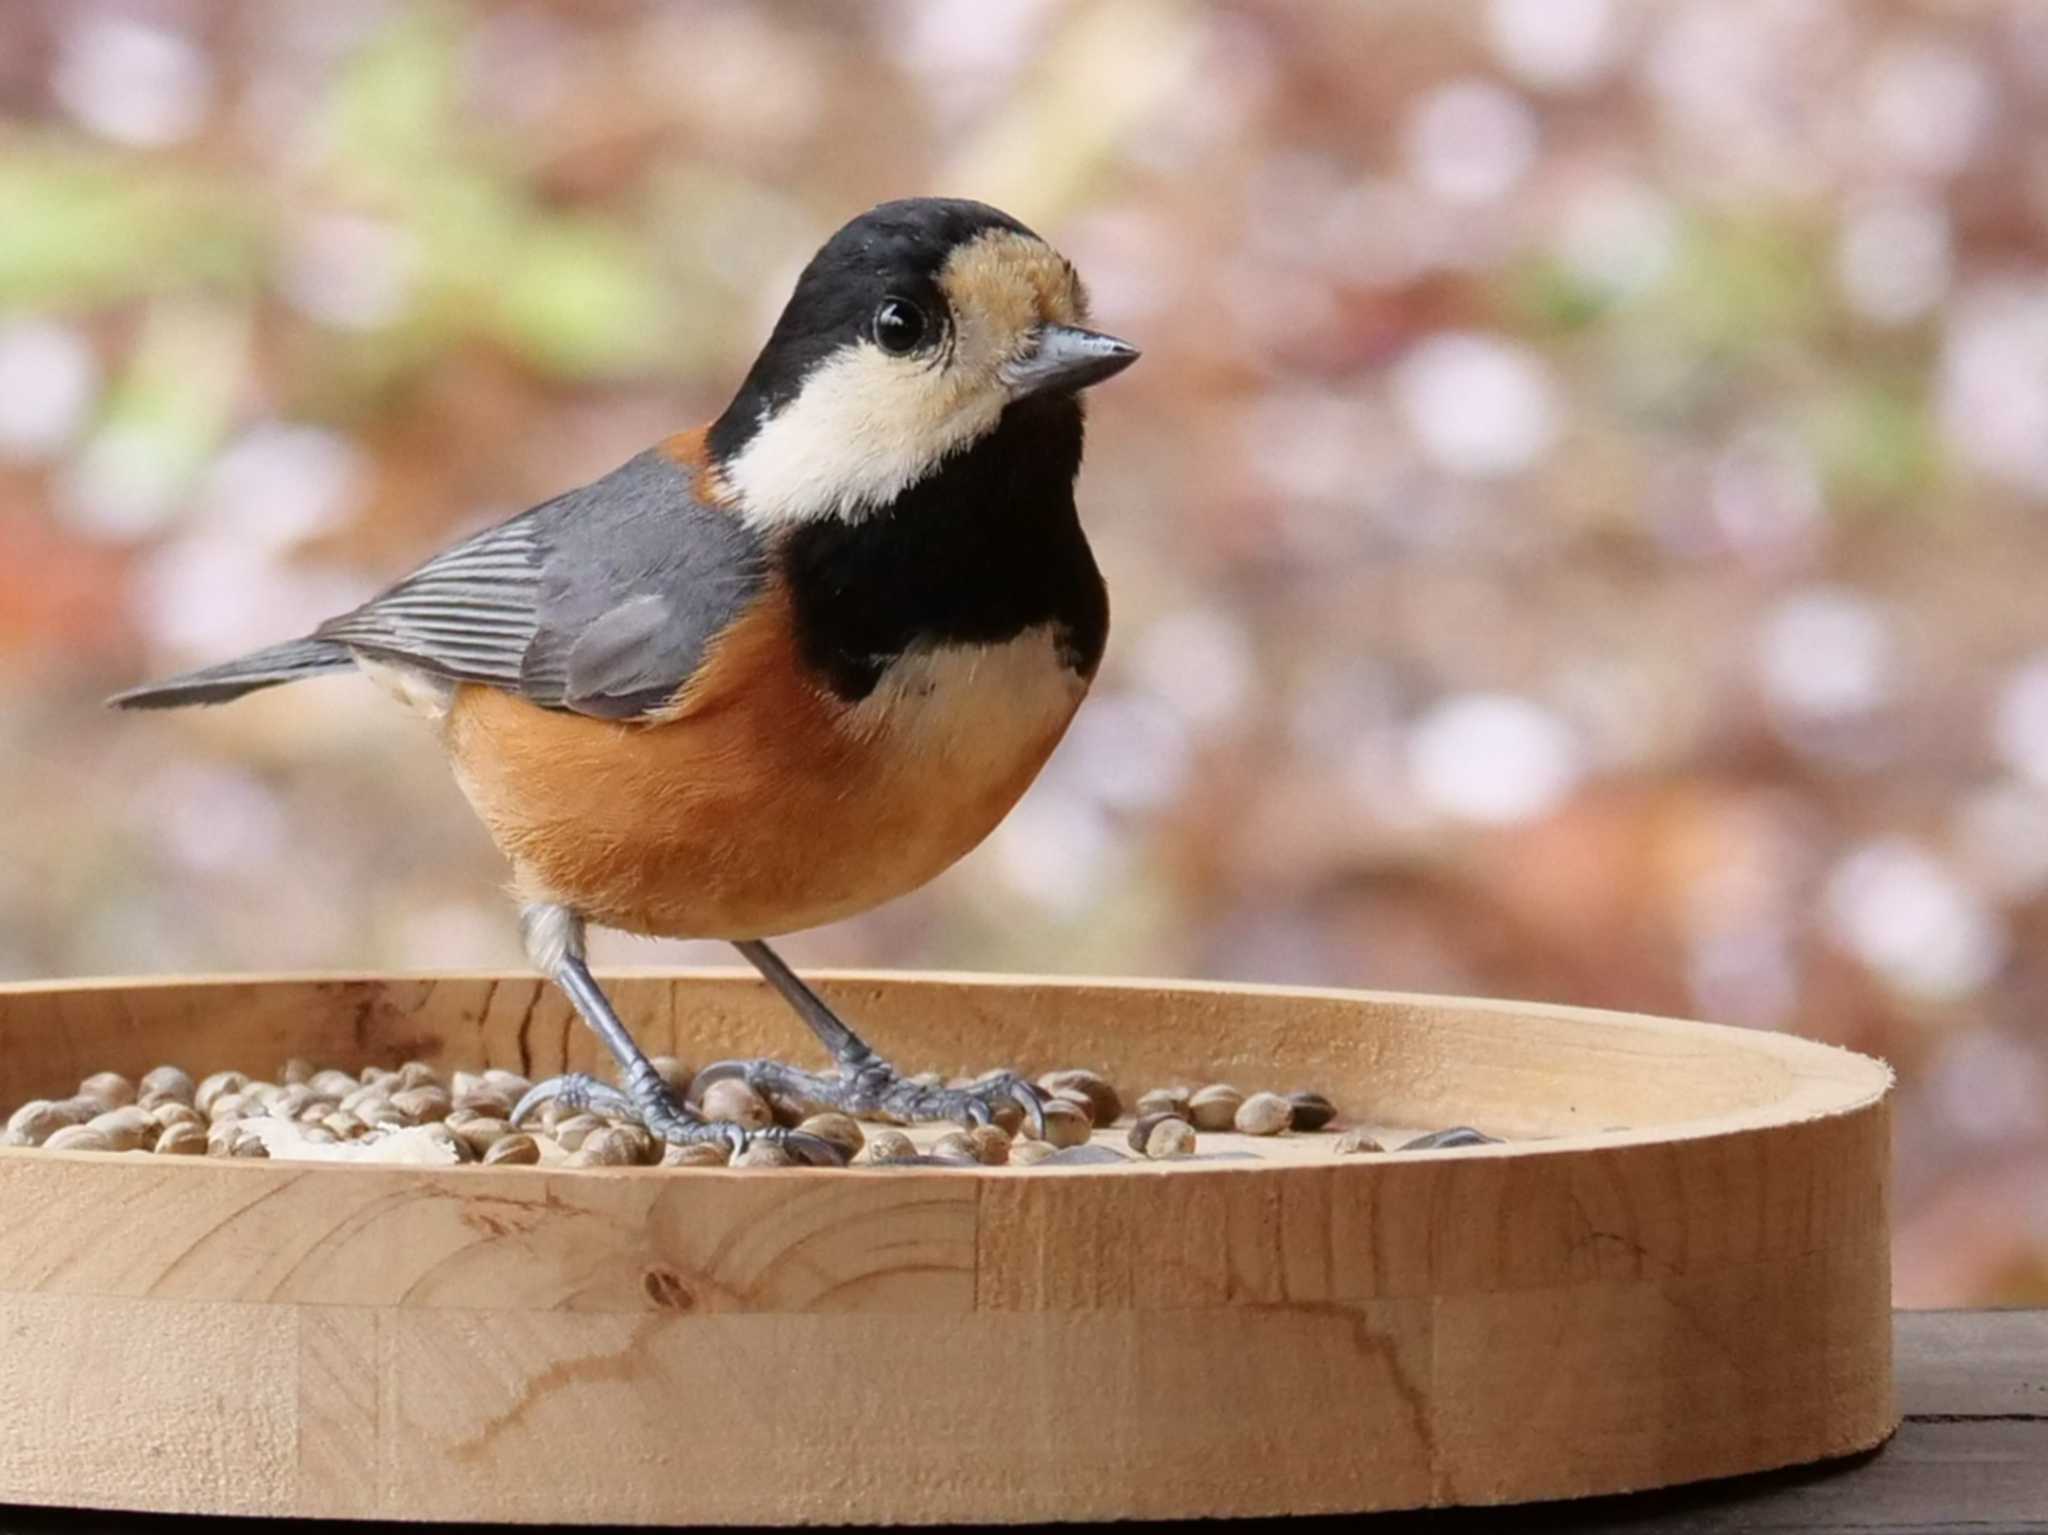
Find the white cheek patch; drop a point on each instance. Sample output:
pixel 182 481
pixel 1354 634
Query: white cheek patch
pixel 863 429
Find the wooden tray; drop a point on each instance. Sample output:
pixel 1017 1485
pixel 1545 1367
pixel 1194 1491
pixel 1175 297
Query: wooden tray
pixel 1703 1292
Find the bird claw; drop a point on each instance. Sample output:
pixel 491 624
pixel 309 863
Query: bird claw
pixel 656 1107
pixel 876 1090
pixel 576 1090
pixel 1002 1087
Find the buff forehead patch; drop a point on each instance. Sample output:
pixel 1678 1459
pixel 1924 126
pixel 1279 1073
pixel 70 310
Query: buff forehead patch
pixel 1013 282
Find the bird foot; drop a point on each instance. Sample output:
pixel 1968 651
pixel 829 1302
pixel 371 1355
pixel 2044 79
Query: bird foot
pixel 654 1104
pixel 874 1089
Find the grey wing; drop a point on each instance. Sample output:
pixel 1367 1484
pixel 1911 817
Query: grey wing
pixel 601 602
pixel 469 614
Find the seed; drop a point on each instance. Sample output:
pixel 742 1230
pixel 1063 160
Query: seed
pixel 1171 1137
pixel 733 1102
pixel 510 1083
pixel 1444 1140
pixel 378 1076
pixel 171 1112
pixel 1028 1153
pixel 571 1132
pixel 37 1120
pixel 249 1146
pixel 165 1082
pixel 553 1112
pixel 380 1111
pixel 78 1138
pixel 228 1107
pixel 421 1105
pixel 760 1153
pixel 1215 1106
pixel 332 1083
pixel 1105 1104
pixel 210 1091
pixel 316 1110
pixel 1066 1124
pixel 696 1154
pixel 182 1138
pixel 125 1129
pixel 418 1074
pixel 1141 1130
pixel 1163 1100
pixel 298 1071
pixel 478 1133
pixel 437 1134
pixel 290 1103
pixel 373 1092
pixel 111 1089
pixel 1312 1111
pixel 486 1102
pixel 884 1146
pixel 1075 1098
pixel 991 1145
pixel 344 1125
pixel 514 1150
pixel 606 1146
pixel 317 1135
pixel 840 1130
pixel 1263 1114
pixel 953 1146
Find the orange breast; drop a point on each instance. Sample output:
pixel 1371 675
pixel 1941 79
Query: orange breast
pixel 764 805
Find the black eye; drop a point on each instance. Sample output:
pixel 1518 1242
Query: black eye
pixel 899 325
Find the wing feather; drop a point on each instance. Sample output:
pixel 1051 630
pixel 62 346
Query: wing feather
pixel 601 601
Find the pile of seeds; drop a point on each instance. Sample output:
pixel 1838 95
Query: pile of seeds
pixel 414 1114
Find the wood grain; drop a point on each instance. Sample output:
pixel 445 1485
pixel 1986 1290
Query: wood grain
pixel 1700 1291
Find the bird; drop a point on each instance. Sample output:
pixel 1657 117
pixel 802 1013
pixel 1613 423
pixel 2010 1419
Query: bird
pixel 784 667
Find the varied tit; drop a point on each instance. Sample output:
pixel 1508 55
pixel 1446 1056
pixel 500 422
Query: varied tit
pixel 783 668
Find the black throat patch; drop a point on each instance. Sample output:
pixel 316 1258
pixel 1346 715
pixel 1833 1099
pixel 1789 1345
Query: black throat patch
pixel 983 549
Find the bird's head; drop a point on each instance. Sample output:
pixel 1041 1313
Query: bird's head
pixel 910 336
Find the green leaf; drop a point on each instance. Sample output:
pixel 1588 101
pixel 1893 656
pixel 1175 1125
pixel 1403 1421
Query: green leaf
pixel 575 297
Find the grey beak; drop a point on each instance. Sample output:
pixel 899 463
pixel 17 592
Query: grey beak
pixel 1067 359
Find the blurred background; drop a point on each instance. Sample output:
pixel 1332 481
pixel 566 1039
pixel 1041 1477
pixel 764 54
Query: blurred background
pixel 1579 530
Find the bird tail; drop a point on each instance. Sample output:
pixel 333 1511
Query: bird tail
pixel 231 679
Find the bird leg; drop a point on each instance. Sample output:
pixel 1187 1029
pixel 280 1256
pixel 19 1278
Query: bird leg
pixel 554 942
pixel 864 1085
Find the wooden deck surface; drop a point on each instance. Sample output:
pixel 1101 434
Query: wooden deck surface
pixel 1972 1455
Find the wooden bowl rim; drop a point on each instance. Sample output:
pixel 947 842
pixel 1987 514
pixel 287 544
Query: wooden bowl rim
pixel 1827 1080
